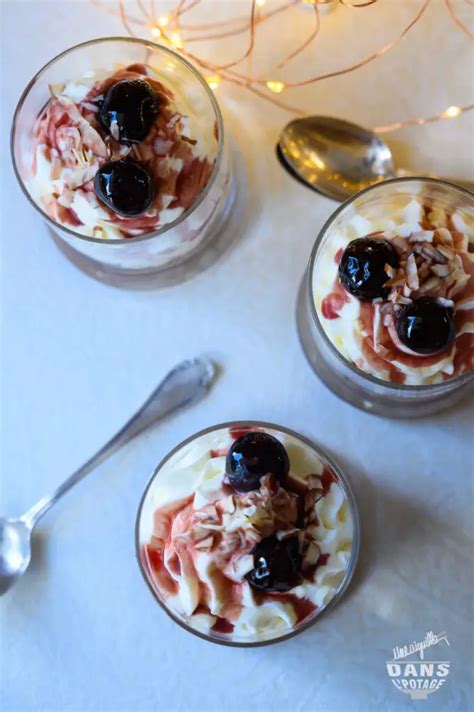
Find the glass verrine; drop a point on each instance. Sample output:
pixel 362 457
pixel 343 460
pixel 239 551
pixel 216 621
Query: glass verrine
pixel 184 231
pixel 203 585
pixel 337 331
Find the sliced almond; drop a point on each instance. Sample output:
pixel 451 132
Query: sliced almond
pixel 447 251
pixel 424 272
pixel 434 254
pixel 442 234
pixel 397 280
pixel 377 327
pixel 313 482
pixel 412 273
pixel 401 243
pixel 431 284
pixel 422 236
pixel 311 555
pixel 282 535
pixel 440 270
pixel 446 302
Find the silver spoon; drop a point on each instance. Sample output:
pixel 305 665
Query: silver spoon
pixel 184 385
pixel 338 158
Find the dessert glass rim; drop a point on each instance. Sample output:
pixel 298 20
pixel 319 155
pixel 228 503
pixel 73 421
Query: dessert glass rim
pixel 309 281
pixel 348 574
pixel 185 213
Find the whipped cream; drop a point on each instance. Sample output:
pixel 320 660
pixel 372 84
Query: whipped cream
pixel 358 329
pixel 203 582
pixel 67 157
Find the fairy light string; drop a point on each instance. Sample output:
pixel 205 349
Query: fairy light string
pixel 176 29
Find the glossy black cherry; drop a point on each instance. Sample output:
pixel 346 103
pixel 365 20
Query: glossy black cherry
pixel 362 267
pixel 253 456
pixel 128 110
pixel 426 326
pixel 277 565
pixel 124 186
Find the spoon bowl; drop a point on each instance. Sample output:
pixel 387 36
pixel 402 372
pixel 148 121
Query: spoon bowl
pixel 15 551
pixel 336 157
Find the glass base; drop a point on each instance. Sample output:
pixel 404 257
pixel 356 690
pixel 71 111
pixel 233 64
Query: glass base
pixel 226 230
pixel 392 404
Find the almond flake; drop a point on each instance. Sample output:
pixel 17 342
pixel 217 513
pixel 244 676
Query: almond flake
pixel 423 271
pixel 443 234
pixel 446 302
pixel 282 535
pixel 422 236
pixel 313 482
pixel 440 270
pixel 434 254
pixel 377 328
pixel 401 243
pixel 430 284
pixel 448 252
pixel 412 273
pixel 311 555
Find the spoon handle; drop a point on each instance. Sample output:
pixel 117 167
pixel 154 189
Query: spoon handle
pixel 185 384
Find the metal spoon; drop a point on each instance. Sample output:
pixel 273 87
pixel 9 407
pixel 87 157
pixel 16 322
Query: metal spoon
pixel 338 158
pixel 185 384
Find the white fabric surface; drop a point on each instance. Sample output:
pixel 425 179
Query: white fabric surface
pixel 81 630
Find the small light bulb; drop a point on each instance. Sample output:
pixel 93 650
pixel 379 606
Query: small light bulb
pixel 156 32
pixel 260 3
pixel 164 21
pixel 276 87
pixel 214 80
pixel 176 40
pixel 452 112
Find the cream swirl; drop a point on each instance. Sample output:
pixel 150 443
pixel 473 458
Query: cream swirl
pixel 196 538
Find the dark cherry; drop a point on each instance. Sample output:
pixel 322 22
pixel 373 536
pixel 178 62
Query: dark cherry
pixel 362 267
pixel 124 186
pixel 253 456
pixel 276 565
pixel 128 110
pixel 426 326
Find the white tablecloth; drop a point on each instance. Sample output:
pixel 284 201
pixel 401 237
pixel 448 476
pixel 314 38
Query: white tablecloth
pixel 81 631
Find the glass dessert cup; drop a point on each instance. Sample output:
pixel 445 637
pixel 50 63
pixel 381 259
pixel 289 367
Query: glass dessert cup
pixel 342 376
pixel 334 570
pixel 179 248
